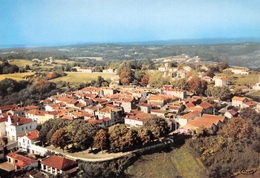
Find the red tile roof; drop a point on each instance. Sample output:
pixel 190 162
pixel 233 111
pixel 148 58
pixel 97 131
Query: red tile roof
pixel 36 112
pixel 32 135
pixel 59 162
pixel 205 105
pixel 190 114
pixel 8 107
pixel 237 98
pixel 22 160
pixel 17 120
pixel 250 103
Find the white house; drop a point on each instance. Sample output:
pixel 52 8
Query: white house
pixel 58 165
pixel 221 81
pixel 21 163
pixel 183 119
pixel 240 70
pixel 16 125
pixel 136 118
pixel 239 101
pixel 144 107
pixel 25 140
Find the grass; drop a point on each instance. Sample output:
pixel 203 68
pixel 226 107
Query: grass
pixel 15 76
pixel 247 79
pixel 242 79
pixel 21 62
pixel 77 77
pixel 24 62
pixel 254 95
pixel 178 162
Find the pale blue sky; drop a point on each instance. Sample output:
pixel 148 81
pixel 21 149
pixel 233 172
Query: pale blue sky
pixel 50 22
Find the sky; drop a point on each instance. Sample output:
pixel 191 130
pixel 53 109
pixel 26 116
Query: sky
pixel 61 22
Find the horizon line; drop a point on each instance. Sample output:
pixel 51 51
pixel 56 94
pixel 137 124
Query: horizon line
pixel 181 41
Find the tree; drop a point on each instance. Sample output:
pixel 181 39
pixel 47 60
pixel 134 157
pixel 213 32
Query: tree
pixel 193 84
pixel 181 83
pixel 236 128
pixel 144 135
pixel 121 138
pixel 145 80
pixel 157 80
pixel 27 67
pixel 126 76
pixel 158 126
pixel 84 135
pixel 222 65
pixel 59 138
pixel 223 93
pixel 46 127
pixel 41 85
pixel 49 128
pixel 101 82
pixel 251 116
pixel 138 75
pixel 101 139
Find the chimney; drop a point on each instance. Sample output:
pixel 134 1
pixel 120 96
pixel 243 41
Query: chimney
pixel 9 119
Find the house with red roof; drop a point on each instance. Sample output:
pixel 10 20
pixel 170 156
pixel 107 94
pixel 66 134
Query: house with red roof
pixel 91 90
pixel 107 91
pixel 136 118
pixel 16 125
pixel 160 100
pixel 158 112
pixel 183 119
pixel 112 115
pixel 59 165
pixel 221 81
pixel 207 78
pixel 240 70
pixel 238 101
pixel 250 104
pixel 4 109
pixel 21 111
pixel 231 113
pixel 21 163
pixel 179 93
pixel 144 107
pixel 207 108
pixel 128 103
pixel 26 139
pixel 208 121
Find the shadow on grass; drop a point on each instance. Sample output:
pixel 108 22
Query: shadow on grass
pixel 179 139
pixel 95 151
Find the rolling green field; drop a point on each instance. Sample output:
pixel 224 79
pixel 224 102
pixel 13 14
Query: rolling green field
pixel 246 79
pixel 77 77
pixel 179 162
pixel 15 76
pixel 24 62
pixel 73 78
pixel 21 62
pixel 239 79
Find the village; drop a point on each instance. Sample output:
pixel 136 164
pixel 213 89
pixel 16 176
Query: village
pixel 104 107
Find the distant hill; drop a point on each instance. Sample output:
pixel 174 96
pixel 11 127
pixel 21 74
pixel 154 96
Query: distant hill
pixel 237 52
pixel 205 41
